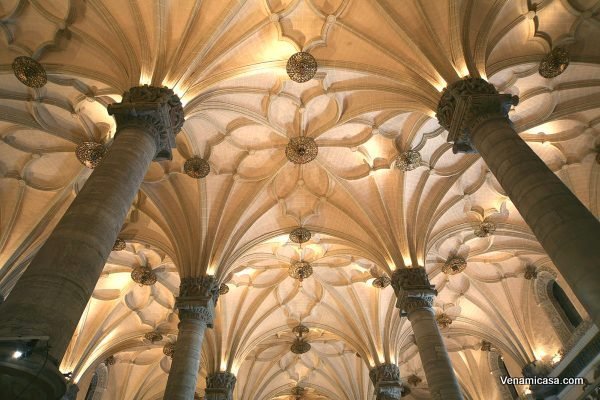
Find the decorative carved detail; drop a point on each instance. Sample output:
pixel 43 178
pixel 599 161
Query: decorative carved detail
pixel 169 349
pixel 408 160
pixel 413 289
pixel 30 72
pixel 300 270
pixel 220 385
pixel 301 150
pixel 554 63
pixel 382 282
pixel 300 346
pixel 153 336
pixel 530 272
pixel 197 298
pixel 119 245
pixel 90 153
pixel 301 67
pixel 576 336
pixel 486 346
pixel 203 286
pixel 486 228
pixel 196 167
pixel 386 378
pixel 454 265
pixel 414 380
pixel 297 391
pixel 201 313
pixel 300 330
pixel 385 372
pixel 467 103
pixel 443 320
pixel 157 110
pixel 544 296
pixel 110 360
pixel 223 289
pixel 144 276
pixel 300 235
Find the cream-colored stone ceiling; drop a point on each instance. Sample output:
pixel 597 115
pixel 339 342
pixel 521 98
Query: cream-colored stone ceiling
pixel 382 65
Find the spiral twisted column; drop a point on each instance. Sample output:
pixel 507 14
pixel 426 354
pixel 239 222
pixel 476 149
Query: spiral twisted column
pixel 386 379
pixel 476 117
pixel 46 304
pixel 196 303
pixel 219 386
pixel 415 297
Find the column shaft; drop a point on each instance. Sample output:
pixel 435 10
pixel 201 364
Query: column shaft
pixel 434 356
pixel 50 297
pixel 415 299
pixel 196 303
pixel 181 384
pixel 476 117
pixel 565 228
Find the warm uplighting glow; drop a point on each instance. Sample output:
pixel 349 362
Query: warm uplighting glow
pixel 211 269
pixel 556 358
pixel 17 354
pixel 527 391
pixel 539 354
pixel 440 85
pixel 145 79
pixel 245 271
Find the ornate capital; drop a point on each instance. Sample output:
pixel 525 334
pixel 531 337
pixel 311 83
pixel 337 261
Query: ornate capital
pixel 386 378
pixel 197 298
pixel 467 103
pixel 413 289
pixel 157 110
pixel 219 386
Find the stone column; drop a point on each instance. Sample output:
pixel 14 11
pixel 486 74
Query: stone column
pixel 476 117
pixel 219 386
pixel 386 379
pixel 415 300
pixel 196 304
pixel 49 298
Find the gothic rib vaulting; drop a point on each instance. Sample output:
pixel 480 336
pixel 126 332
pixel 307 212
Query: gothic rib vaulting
pixel 384 192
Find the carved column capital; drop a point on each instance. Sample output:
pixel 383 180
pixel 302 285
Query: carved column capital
pixel 467 103
pixel 413 289
pixel 156 110
pixel 220 385
pixel 386 379
pixel 197 298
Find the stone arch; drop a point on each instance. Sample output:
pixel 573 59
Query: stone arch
pixel 98 384
pixel 498 369
pixel 546 300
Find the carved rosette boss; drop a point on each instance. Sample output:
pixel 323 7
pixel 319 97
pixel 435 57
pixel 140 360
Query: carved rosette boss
pixel 386 379
pixel 219 386
pixel 465 104
pixel 158 111
pixel 197 298
pixel 413 289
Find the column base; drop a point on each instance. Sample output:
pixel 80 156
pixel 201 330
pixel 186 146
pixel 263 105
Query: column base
pixel 34 376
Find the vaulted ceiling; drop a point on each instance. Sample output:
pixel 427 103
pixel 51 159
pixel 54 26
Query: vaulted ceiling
pixel 382 66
